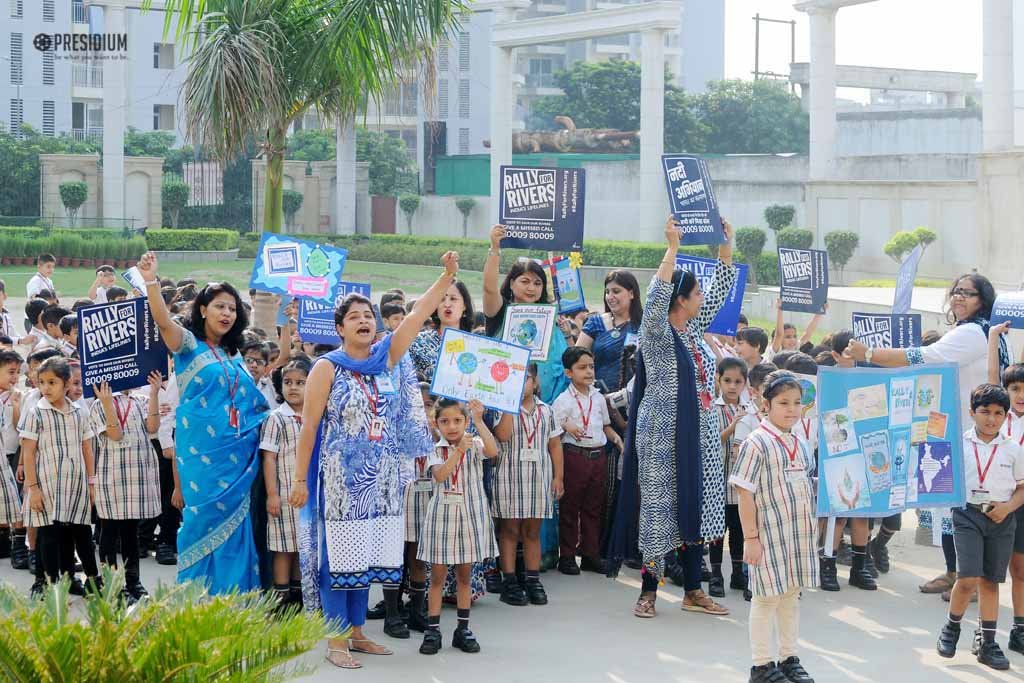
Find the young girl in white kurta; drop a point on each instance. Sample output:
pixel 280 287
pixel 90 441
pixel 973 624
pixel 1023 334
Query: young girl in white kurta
pixel 458 529
pixel 526 482
pixel 127 474
pixel 56 450
pixel 777 511
pixel 278 443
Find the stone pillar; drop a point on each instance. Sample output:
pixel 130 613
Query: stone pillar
pixel 114 114
pixel 997 87
pixel 502 105
pixel 345 211
pixel 822 96
pixel 652 126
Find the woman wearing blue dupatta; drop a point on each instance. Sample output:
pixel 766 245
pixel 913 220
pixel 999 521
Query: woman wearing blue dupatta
pixel 363 423
pixel 673 486
pixel 216 435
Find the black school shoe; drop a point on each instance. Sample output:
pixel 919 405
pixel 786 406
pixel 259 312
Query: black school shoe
pixel 991 655
pixel 417 620
pixel 166 555
pixel 19 557
pixel 1016 639
pixel 738 581
pixel 861 578
pixel 536 593
pixel 593 564
pixel 396 628
pixel 513 594
pixel 568 566
pixel 829 574
pixel 37 591
pixel 136 590
pixel 948 638
pixel 494 583
pixel 767 673
pixel 879 555
pixel 869 565
pixel 431 644
pixel 464 640
pixel 378 611
pixel 795 671
pixel 716 586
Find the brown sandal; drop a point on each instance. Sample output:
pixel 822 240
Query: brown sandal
pixel 940 584
pixel 348 662
pixel 699 601
pixel 366 649
pixel 644 608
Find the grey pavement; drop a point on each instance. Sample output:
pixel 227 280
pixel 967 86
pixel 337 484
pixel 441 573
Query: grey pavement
pixel 588 633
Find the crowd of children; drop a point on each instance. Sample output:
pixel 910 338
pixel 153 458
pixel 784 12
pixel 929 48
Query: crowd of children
pixel 80 473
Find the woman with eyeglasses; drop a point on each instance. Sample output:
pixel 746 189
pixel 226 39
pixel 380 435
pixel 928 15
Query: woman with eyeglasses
pixel 968 309
pixel 216 435
pixel 672 473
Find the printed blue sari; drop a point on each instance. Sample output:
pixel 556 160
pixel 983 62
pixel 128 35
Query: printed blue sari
pixel 217 464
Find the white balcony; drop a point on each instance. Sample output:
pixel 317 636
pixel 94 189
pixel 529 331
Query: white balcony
pixel 91 134
pixel 86 76
pixel 79 13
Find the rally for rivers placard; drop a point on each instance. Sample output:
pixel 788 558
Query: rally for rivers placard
pixel 542 208
pixel 119 343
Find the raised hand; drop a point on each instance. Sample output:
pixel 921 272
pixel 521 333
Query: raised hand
pixel 147 266
pixel 498 233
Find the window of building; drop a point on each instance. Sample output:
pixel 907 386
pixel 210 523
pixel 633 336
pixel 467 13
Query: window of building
pixel 163 117
pixel 17 9
pixel 17 73
pixel 442 98
pixel 463 140
pixel 49 116
pixel 16 116
pixel 463 51
pixel 464 98
pixel 442 56
pixel 48 10
pixel 163 56
pixel 47 68
pixel 540 75
pixel 410 94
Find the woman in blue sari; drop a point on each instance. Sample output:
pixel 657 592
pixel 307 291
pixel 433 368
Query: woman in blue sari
pixel 216 435
pixel 363 424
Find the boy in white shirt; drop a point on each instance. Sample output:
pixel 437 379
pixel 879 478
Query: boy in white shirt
pixel 104 281
pixel 984 528
pixel 41 280
pixel 582 413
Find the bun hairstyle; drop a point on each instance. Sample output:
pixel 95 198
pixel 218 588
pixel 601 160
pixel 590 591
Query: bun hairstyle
pixel 779 381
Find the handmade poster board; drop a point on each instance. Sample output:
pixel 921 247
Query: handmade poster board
pixel 119 343
pixel 285 265
pixel 530 325
pixel 889 439
pixel 471 366
pixel 316 318
pixel 692 200
pixel 803 280
pixel 887 330
pixel 542 208
pixel 704 269
pixel 568 287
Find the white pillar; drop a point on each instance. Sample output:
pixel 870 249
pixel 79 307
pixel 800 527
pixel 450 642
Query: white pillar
pixel 345 171
pixel 114 89
pixel 652 126
pixel 997 67
pixel 502 108
pixel 822 96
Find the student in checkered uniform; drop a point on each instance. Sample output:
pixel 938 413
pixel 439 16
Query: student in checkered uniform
pixel 527 480
pixel 776 501
pixel 56 450
pixel 417 496
pixel 127 474
pixel 458 529
pixel 278 444
pixel 10 497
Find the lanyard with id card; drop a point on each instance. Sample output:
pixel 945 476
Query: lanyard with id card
pixel 796 470
pixel 423 483
pixel 376 429
pixel 531 453
pixel 981 496
pixel 452 494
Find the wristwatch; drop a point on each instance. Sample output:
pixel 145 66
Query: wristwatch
pixel 868 354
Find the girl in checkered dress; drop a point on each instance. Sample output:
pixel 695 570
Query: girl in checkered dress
pixel 278 444
pixel 458 529
pixel 56 450
pixel 776 504
pixel 127 474
pixel 526 482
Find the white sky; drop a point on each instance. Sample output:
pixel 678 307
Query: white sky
pixel 943 35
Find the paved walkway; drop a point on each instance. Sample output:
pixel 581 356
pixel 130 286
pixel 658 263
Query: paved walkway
pixel 588 634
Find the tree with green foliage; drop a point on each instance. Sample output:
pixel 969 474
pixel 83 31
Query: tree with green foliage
pixel 408 203
pixel 779 216
pixel 392 169
pixel 19 167
pixel 840 245
pixel 72 195
pixel 292 202
pixel 175 195
pixel 257 65
pixel 465 205
pixel 794 238
pixel 904 241
pixel 752 117
pixel 312 144
pixel 749 244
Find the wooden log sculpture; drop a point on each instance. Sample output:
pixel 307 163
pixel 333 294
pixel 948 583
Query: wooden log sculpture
pixel 572 139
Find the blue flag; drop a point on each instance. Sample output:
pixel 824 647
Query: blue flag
pixel 905 281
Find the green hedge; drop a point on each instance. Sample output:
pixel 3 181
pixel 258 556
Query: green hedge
pixel 65 245
pixel 197 239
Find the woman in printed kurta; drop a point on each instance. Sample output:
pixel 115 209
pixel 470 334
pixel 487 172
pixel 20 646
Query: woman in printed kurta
pixel 672 472
pixel 216 435
pixel 776 499
pixel 363 415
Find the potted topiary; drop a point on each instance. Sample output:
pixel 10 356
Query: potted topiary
pixel 5 250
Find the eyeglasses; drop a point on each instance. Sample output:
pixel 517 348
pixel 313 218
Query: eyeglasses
pixel 962 293
pixel 255 361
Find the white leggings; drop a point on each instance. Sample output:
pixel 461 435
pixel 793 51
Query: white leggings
pixel 765 612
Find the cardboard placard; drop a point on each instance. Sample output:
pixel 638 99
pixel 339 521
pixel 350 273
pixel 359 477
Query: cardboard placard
pixel 704 269
pixel 530 325
pixel 887 330
pixel 692 199
pixel 803 280
pixel 285 265
pixel 119 343
pixel 542 208
pixel 471 366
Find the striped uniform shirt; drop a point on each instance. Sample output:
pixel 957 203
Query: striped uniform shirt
pixel 521 483
pixel 785 509
pixel 127 471
pixel 463 532
pixel 726 414
pixel 60 464
pixel 281 437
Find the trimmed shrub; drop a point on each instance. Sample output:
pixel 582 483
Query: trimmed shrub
pixel 291 202
pixel 795 238
pixel 779 216
pixel 840 245
pixel 201 239
pixel 174 195
pixel 73 195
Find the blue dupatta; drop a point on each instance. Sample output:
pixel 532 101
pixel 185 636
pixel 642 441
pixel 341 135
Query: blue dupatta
pixel 217 465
